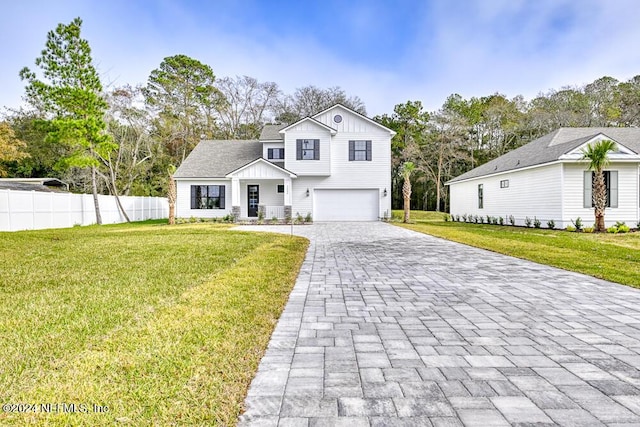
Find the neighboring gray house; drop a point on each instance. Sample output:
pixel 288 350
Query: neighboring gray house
pixel 334 166
pixel 547 179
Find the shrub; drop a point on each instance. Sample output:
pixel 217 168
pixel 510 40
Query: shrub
pixel 501 221
pixel 274 219
pixel 488 219
pixel 551 224
pixel 536 222
pixel 588 230
pixel 287 219
pixel 624 228
pixel 570 228
pixel 308 217
pixel 512 220
pixel 527 222
pixel 298 218
pixel 457 218
pixel 481 218
pixel 476 219
pixel 577 224
pixel 464 217
pixel 613 229
pixel 445 217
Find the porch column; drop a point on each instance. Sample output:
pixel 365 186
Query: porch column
pixel 235 197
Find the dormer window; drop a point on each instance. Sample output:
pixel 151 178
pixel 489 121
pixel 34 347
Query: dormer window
pixel 275 153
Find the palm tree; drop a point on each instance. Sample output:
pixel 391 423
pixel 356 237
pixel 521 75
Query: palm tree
pixel 407 168
pixel 598 156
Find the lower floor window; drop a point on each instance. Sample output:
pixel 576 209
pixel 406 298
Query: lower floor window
pixel 207 196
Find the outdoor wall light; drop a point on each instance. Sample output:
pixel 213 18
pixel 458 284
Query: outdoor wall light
pixel 384 193
pixel 307 192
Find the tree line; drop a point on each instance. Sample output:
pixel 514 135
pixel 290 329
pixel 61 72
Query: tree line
pixel 128 140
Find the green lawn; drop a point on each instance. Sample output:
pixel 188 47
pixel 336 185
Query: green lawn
pixel 614 257
pixel 162 325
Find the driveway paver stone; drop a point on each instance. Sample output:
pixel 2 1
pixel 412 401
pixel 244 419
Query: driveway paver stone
pixel 386 326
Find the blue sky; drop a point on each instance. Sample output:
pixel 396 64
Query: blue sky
pixel 386 52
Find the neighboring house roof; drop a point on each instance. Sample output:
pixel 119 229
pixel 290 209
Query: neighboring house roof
pixel 550 148
pixel 216 159
pixel 271 132
pixel 49 182
pixel 21 186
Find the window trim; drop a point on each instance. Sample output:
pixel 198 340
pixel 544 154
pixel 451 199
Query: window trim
pixel 197 202
pixel 612 184
pixel 504 183
pixel 272 151
pixel 300 151
pixel 353 151
pixel 279 188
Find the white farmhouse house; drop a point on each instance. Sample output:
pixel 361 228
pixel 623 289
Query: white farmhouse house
pixel 334 166
pixel 547 179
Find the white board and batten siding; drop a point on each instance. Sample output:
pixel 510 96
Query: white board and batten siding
pixel 535 192
pixel 183 202
pixel 628 195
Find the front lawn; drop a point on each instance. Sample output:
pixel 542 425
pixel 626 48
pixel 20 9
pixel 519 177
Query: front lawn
pixel 155 325
pixel 614 257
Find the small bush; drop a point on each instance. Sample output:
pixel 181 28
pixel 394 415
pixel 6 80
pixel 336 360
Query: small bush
pixel 481 218
pixel 570 228
pixel 551 224
pixel 308 217
pixel 274 219
pixel 457 218
pixel 260 215
pixel 476 219
pixel 445 217
pixel 501 221
pixel 577 224
pixel 588 230
pixel 512 220
pixel 613 229
pixel 527 222
pixel 464 217
pixel 488 219
pixel 624 228
pixel 536 222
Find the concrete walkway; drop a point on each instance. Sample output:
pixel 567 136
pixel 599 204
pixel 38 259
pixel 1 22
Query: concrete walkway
pixel 390 327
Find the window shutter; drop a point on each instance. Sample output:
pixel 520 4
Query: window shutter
pixel 369 150
pixel 270 153
pixel 316 151
pixel 221 192
pixel 298 149
pixel 613 188
pixel 588 185
pixel 194 204
pixel 352 151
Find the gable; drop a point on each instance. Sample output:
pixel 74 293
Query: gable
pixel 622 152
pixel 308 124
pixel 344 119
pixel 260 169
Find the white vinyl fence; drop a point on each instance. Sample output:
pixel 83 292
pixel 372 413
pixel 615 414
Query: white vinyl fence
pixel 30 210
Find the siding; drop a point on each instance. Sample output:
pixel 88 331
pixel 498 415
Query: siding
pixel 308 130
pixel 628 194
pixel 267 145
pixel 534 193
pixel 183 202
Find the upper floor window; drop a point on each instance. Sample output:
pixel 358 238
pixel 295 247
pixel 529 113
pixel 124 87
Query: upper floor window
pixel 480 196
pixel 308 149
pixel 359 150
pixel 207 196
pixel 275 153
pixel 504 183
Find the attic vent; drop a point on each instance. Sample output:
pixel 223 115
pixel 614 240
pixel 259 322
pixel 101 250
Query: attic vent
pixel 518 163
pixel 337 118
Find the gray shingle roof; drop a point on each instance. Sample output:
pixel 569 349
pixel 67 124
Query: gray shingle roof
pixel 270 132
pixel 550 147
pixel 215 159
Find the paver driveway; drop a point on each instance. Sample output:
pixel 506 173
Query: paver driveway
pixel 386 326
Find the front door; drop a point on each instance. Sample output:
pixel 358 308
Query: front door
pixel 253 198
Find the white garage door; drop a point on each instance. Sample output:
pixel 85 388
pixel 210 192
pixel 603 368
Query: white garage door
pixel 346 205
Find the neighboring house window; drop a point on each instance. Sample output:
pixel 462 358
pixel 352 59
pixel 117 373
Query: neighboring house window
pixel 359 150
pixel 308 149
pixel 504 183
pixel 280 188
pixel 207 196
pixel 275 153
pixel 610 181
pixel 480 196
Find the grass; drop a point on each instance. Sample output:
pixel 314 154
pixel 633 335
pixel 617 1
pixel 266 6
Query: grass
pixel 161 325
pixel 614 257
